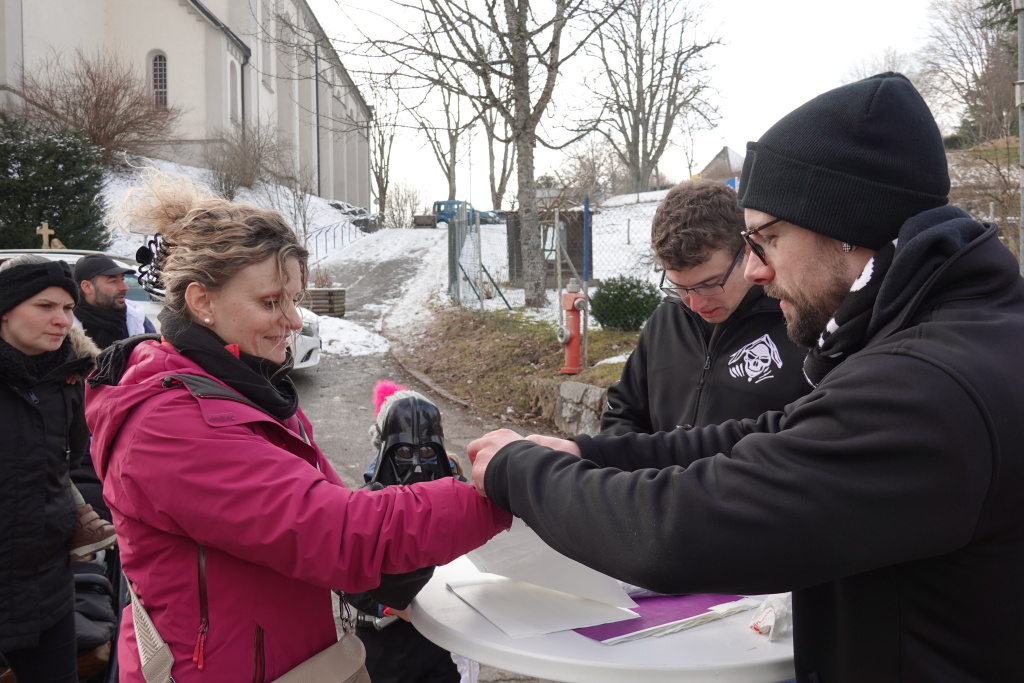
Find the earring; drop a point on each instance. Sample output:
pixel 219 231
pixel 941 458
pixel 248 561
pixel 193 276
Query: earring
pixel 208 321
pixel 847 247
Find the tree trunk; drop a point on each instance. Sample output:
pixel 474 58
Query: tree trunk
pixel 529 225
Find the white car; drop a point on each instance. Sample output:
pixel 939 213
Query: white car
pixel 305 346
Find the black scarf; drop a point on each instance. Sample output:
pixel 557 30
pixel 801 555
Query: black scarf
pixel 893 276
pixel 23 369
pixel 262 381
pixel 104 326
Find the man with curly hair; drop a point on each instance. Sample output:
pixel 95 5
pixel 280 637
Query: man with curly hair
pixel 716 347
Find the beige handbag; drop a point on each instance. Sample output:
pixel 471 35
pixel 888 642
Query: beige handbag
pixel 343 662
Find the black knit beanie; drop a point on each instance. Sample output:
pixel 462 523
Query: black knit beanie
pixel 853 163
pixel 19 282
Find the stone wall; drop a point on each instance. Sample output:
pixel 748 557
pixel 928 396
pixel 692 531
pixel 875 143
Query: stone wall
pixel 573 407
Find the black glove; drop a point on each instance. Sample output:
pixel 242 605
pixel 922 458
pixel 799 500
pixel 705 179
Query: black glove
pixel 398 590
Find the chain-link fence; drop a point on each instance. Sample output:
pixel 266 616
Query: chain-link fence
pixel 596 244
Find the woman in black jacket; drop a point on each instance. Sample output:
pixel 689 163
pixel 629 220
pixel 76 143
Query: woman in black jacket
pixel 42 363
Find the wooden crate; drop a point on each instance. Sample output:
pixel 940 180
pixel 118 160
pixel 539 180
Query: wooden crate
pixel 326 301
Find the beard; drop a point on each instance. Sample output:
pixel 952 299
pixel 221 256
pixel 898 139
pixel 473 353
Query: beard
pixel 808 314
pixel 109 302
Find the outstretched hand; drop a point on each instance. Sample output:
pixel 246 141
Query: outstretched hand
pixel 480 451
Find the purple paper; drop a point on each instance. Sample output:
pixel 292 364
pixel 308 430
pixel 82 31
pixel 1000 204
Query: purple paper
pixel 658 611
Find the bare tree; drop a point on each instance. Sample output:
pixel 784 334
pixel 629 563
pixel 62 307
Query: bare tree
pixel 98 94
pixel 592 168
pixel 490 49
pixel 498 135
pixel 382 131
pixel 888 59
pixel 443 139
pixel 291 194
pixel 970 56
pixel 653 72
pixel 402 205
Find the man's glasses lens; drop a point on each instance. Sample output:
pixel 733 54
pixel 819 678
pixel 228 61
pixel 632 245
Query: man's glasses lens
pixel 678 292
pixel 748 235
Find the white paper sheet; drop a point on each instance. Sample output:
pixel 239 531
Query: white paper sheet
pixel 523 609
pixel 521 555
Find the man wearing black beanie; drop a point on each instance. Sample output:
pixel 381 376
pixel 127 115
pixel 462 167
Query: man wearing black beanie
pixel 888 500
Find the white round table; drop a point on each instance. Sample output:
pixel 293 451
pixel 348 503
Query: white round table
pixel 722 651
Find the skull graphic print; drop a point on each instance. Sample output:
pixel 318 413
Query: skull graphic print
pixel 756 361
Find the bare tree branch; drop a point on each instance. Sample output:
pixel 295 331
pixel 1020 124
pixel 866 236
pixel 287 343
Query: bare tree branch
pixel 654 72
pixel 100 95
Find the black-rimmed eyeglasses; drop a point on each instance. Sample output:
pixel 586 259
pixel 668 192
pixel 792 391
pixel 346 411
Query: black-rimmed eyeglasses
pixel 754 246
pixel 678 292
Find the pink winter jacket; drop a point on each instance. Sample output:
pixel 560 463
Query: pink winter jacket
pixel 278 527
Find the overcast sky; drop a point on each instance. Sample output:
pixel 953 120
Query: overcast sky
pixel 776 55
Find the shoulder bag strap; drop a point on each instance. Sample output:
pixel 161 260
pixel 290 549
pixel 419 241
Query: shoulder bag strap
pixel 154 653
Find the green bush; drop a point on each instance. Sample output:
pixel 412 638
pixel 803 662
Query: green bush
pixel 624 303
pixel 51 177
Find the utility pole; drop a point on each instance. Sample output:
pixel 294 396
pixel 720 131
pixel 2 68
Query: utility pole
pixel 1018 8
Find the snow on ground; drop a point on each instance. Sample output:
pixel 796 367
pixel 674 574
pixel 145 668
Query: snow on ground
pixel 621 230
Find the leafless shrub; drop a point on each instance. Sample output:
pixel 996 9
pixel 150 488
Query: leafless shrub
pixel 245 155
pixel 321 278
pixel 98 94
pixel 402 203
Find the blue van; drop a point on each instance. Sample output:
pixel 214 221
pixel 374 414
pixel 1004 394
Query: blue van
pixel 445 210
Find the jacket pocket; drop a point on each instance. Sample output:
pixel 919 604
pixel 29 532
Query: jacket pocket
pixel 259 656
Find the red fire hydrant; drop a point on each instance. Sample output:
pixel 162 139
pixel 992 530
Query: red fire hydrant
pixel 572 303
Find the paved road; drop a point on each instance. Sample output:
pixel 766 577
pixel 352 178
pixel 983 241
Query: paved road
pixel 337 396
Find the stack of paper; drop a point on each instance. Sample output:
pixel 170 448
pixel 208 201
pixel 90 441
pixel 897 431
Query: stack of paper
pixel 524 609
pixel 526 588
pixel 668 614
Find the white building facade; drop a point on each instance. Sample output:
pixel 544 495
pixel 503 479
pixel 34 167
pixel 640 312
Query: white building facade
pixel 226 63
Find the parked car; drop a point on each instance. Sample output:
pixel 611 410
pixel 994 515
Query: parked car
pixel 490 218
pixel 305 346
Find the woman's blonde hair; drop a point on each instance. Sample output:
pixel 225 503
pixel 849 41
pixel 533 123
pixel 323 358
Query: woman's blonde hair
pixel 204 238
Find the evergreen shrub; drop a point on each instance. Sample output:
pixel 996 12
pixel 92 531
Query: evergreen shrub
pixel 624 303
pixel 51 177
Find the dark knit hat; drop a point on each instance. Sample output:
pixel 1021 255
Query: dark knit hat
pixel 21 281
pixel 853 163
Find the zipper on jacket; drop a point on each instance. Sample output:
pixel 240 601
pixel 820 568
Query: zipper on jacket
pixel 700 389
pixel 259 664
pixel 710 352
pixel 198 655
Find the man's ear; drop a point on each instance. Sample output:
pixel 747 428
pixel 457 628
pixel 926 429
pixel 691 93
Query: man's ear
pixel 198 300
pixel 87 287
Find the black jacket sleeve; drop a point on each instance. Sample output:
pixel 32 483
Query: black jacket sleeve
pixel 800 499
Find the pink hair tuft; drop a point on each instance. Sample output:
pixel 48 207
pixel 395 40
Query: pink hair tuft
pixel 382 390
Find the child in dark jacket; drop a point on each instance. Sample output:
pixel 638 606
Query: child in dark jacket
pixel 409 441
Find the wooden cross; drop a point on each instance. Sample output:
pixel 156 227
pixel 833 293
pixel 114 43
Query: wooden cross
pixel 45 231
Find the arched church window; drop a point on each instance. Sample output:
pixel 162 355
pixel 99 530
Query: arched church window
pixel 160 81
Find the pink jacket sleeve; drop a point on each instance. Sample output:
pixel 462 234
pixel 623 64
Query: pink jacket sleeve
pixel 229 488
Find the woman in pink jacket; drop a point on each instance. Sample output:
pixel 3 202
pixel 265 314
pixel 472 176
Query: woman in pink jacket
pixel 233 527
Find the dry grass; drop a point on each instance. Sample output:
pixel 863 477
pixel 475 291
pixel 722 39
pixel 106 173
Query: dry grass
pixel 490 359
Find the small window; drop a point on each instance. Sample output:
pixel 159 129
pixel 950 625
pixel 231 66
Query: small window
pixel 160 81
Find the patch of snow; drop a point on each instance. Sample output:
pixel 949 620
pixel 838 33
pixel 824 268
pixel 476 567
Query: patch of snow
pixel 621 230
pixel 344 338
